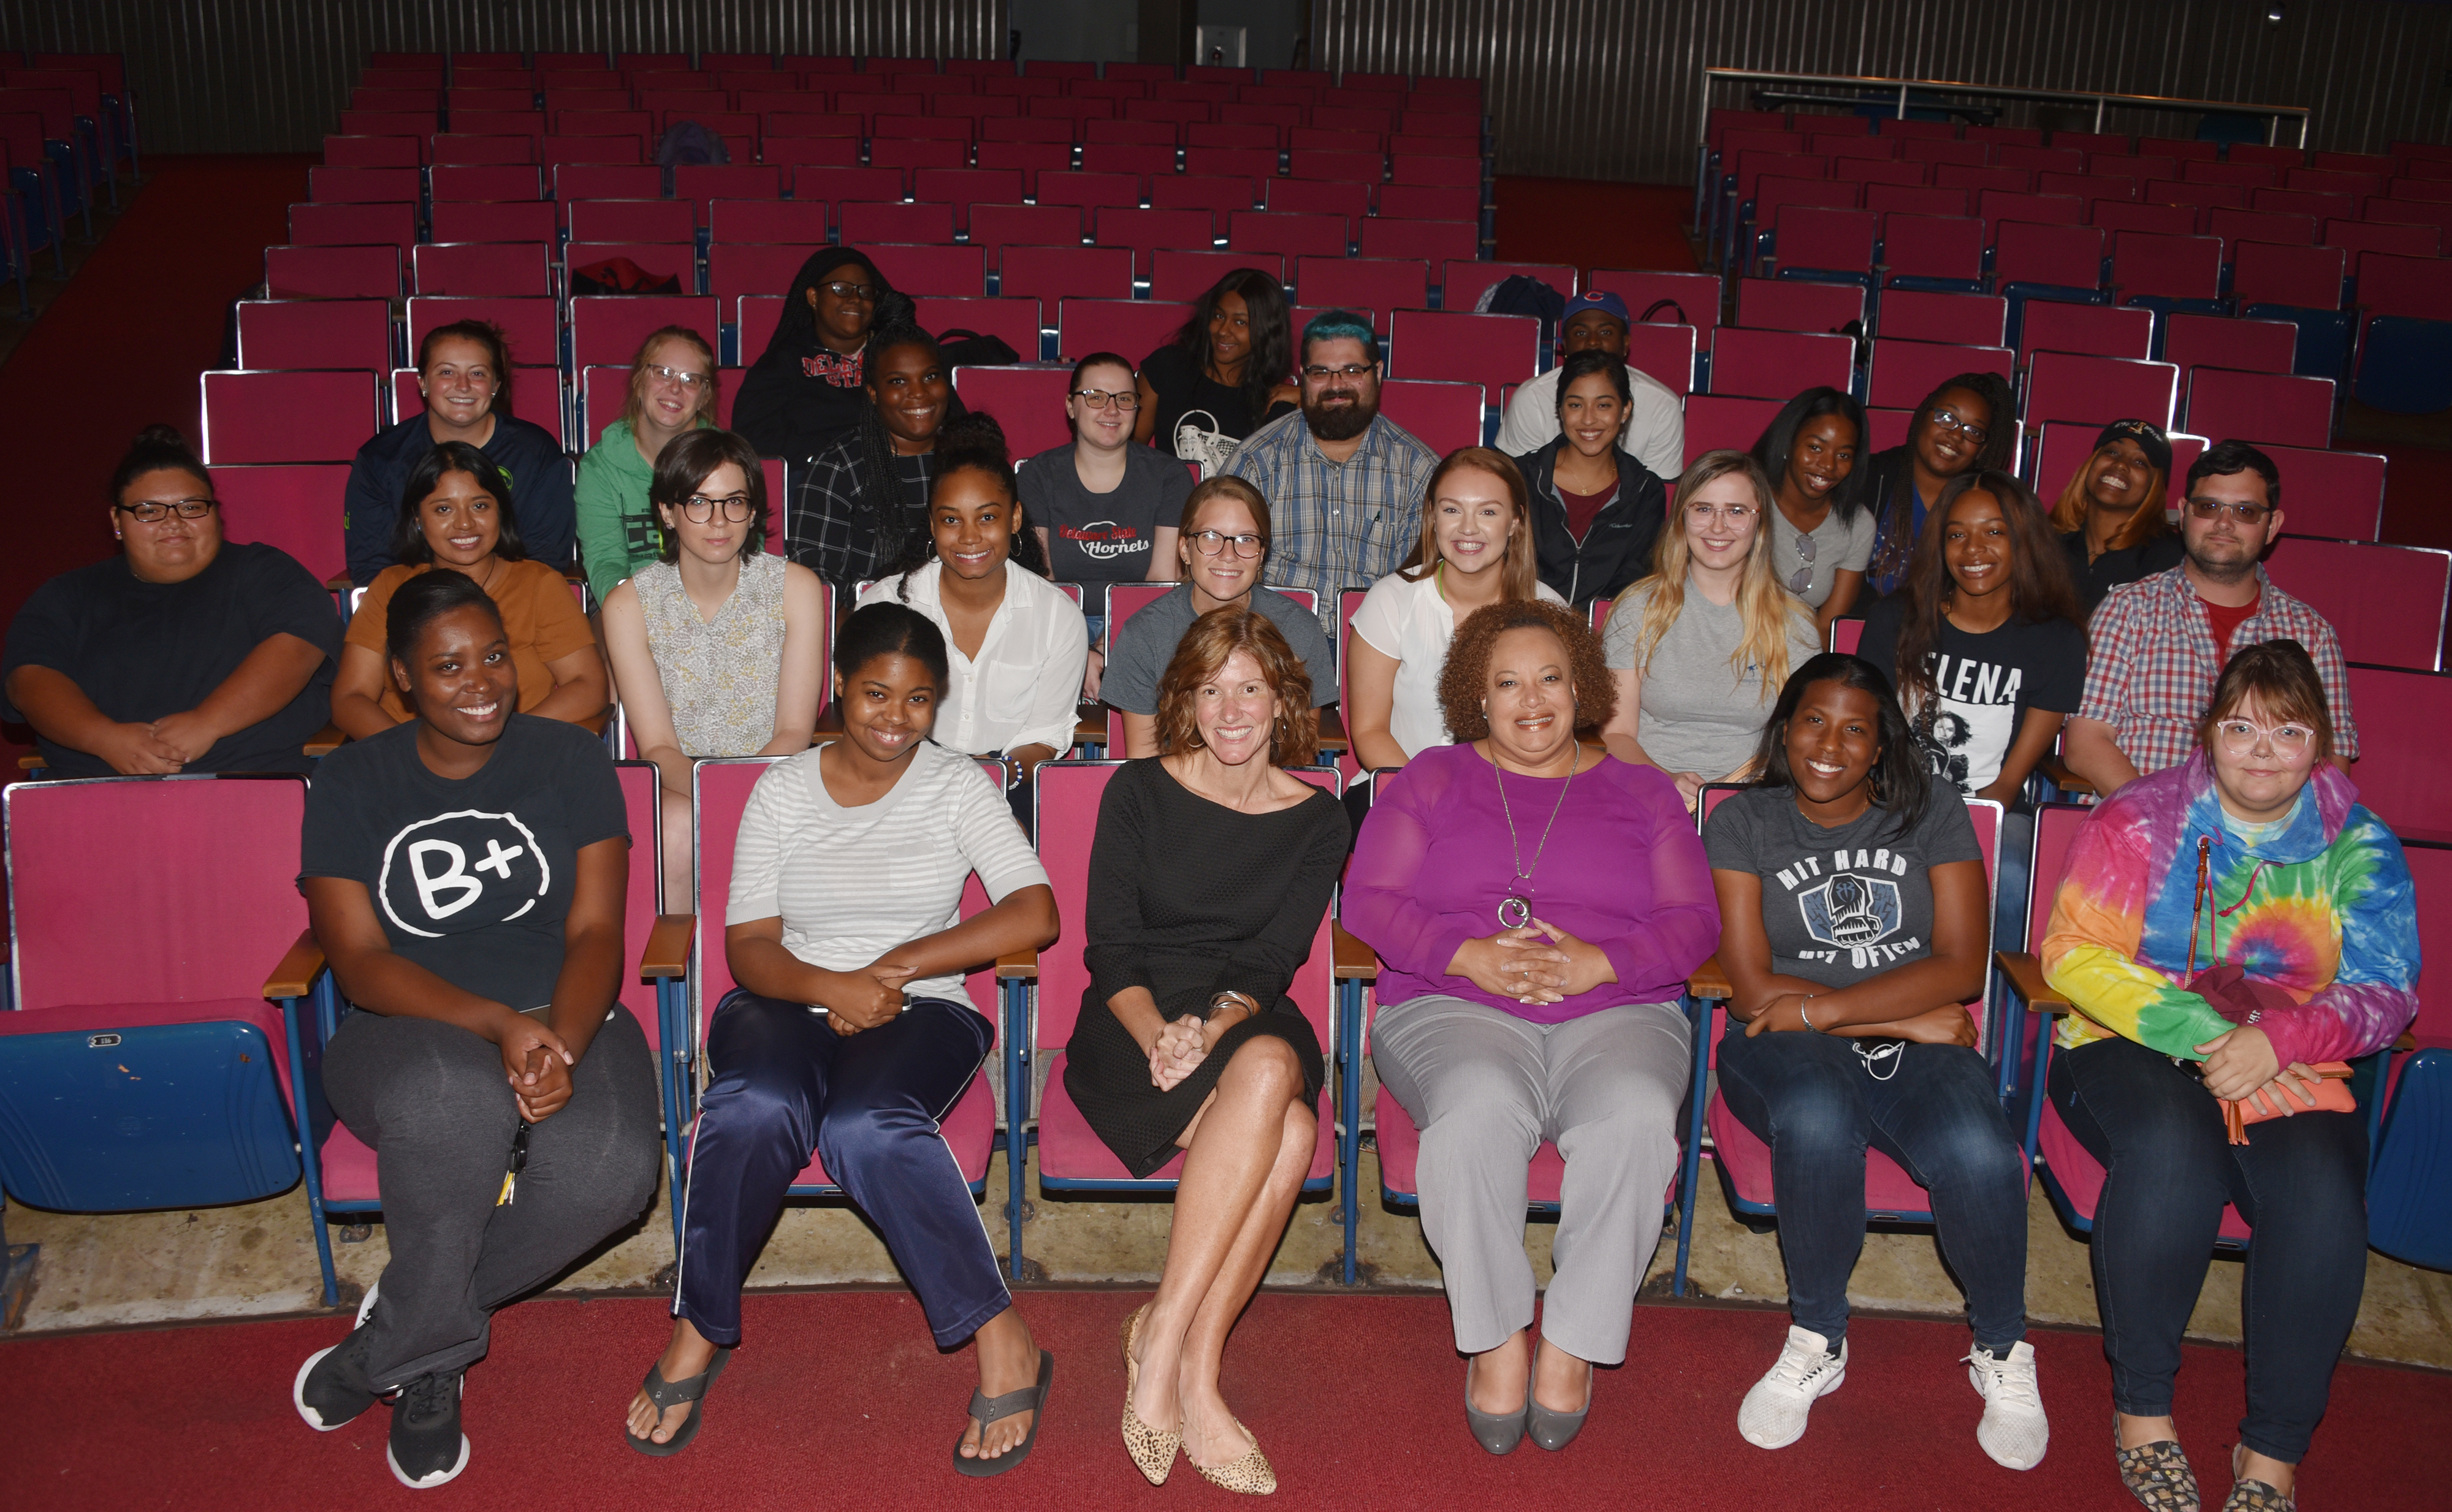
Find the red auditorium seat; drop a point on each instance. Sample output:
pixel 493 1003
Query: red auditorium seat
pixel 702 182
pixel 2401 715
pixel 486 181
pixel 1049 273
pixel 674 260
pixel 1932 247
pixel 606 330
pixel 1288 235
pixel 1177 273
pixel 1787 305
pixel 2278 407
pixel 1218 194
pixel 2279 228
pixel 529 327
pixel 1015 321
pixel 2386 603
pixel 1430 202
pixel 1824 240
pixel 313 225
pixel 998 227
pixel 1464 280
pixel 607 180
pixel 1251 160
pixel 483 268
pixel 536 392
pixel 2056 256
pixel 302 417
pixel 2354 237
pixel 1775 364
pixel 1381 283
pixel 1132 328
pixel 455 147
pixel 1694 298
pixel 296 506
pixel 1145 231
pixel 2305 277
pixel 780 223
pixel 1028 400
pixel 2058 325
pixel 1972 320
pixel 1442 414
pixel 861 222
pixel 315 333
pixel 2098 391
pixel 1664 352
pixel 964 187
pixel 1318 197
pixel 1904 372
pixel 2216 341
pixel 1435 241
pixel 1725 422
pixel 1091 190
pixel 2119 216
pixel 907 152
pixel 332 272
pixel 363 185
pixel 2338 495
pixel 1492 351
pixel 495 221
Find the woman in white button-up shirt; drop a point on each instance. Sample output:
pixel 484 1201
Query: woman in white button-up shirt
pixel 1017 642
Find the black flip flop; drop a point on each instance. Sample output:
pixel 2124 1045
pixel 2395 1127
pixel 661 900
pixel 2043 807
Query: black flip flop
pixel 1031 1399
pixel 668 1394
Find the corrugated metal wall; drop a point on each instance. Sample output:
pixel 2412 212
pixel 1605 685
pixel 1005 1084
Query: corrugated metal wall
pixel 1596 88
pixel 1608 88
pixel 272 75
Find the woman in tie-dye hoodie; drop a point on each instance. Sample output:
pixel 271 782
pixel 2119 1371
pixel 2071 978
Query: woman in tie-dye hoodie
pixel 2255 853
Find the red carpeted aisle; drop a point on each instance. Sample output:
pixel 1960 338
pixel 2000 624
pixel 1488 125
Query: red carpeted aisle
pixel 841 1402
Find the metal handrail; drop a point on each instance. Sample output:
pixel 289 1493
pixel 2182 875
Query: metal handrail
pixel 2103 100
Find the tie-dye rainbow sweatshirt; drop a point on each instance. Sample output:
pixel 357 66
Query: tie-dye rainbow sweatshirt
pixel 2321 906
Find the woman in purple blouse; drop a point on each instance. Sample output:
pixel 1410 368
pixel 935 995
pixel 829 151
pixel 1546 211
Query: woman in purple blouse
pixel 1537 905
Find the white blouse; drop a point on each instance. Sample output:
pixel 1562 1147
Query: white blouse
pixel 1412 622
pixel 1024 687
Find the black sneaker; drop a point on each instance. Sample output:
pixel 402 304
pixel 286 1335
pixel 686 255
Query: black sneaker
pixel 332 1388
pixel 427 1448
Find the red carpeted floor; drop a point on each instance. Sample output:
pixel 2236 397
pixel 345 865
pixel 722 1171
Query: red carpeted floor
pixel 840 1400
pixel 1589 223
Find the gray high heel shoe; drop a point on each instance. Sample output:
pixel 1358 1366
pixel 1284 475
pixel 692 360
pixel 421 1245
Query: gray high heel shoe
pixel 1498 1432
pixel 1553 1431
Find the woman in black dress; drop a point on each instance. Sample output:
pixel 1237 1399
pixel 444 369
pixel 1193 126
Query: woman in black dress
pixel 1208 880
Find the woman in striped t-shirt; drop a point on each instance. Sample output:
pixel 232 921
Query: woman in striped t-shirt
pixel 850 1033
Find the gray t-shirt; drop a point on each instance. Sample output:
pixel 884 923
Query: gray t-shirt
pixel 1840 905
pixel 1145 643
pixel 1700 713
pixel 1103 538
pixel 1838 545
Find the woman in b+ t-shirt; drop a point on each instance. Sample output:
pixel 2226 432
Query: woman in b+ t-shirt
pixel 1851 930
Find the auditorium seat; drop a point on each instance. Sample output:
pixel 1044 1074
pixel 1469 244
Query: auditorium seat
pixel 1775 364
pixel 1776 305
pixel 607 330
pixel 369 224
pixel 918 269
pixel 1725 422
pixel 1319 197
pixel 332 272
pixel 1131 329
pixel 296 506
pixel 2338 495
pixel 2363 236
pixel 2215 341
pixel 494 221
pixel 1663 352
pixel 1027 400
pixel 801 222
pixel 1433 241
pixel 1464 280
pixel 1902 372
pixel 2402 714
pixel 1442 414
pixel 2098 391
pixel 606 180
pixel 1971 320
pixel 1179 273
pixel 2100 330
pixel 860 221
pixel 486 181
pixel 315 333
pixel 288 416
pixel 2278 407
pixel 482 270
pixel 530 330
pixel 1014 319
pixel 1692 298
pixel 1145 231
pixel 2386 603
pixel 1050 274
pixel 1459 346
pixel 1381 283
pixel 1932 252
pixel 1221 194
pixel 1287 234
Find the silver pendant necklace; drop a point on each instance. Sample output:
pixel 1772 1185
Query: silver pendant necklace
pixel 1515 908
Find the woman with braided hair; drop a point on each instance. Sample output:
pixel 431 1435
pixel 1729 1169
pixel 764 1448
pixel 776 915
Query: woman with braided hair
pixel 861 502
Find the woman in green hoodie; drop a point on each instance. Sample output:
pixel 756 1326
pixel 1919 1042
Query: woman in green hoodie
pixel 672 389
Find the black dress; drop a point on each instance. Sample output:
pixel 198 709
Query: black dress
pixel 1190 898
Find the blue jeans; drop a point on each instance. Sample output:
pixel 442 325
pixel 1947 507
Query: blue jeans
pixel 1810 1097
pixel 787 1085
pixel 2301 1184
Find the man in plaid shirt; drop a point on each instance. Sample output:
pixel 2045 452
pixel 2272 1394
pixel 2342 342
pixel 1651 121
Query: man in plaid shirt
pixel 1344 483
pixel 2159 643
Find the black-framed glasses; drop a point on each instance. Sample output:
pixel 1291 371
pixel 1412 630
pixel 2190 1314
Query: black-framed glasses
pixel 693 381
pixel 1211 543
pixel 1319 374
pixel 699 509
pixel 1126 399
pixel 2242 510
pixel 1946 419
pixel 865 293
pixel 154 511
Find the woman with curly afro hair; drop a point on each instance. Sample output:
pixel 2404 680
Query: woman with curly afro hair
pixel 1537 905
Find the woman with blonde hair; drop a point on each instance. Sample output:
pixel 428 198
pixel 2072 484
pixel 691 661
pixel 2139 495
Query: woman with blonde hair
pixel 1699 649
pixel 2110 517
pixel 1477 549
pixel 673 390
pixel 1210 872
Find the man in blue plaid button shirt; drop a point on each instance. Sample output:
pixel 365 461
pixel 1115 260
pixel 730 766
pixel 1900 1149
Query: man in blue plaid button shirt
pixel 1344 482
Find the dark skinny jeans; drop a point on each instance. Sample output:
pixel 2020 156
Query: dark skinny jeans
pixel 2301 1184
pixel 1810 1098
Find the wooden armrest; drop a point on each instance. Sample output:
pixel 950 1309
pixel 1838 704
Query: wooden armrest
pixel 1354 960
pixel 338 583
pixel 1710 981
pixel 2025 975
pixel 30 762
pixel 668 946
pixel 295 976
pixel 326 741
pixel 829 723
pixel 1089 732
pixel 1332 729
pixel 2069 782
pixel 1017 964
pixel 2409 1041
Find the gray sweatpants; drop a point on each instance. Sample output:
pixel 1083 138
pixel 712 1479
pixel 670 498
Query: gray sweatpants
pixel 434 1104
pixel 1486 1088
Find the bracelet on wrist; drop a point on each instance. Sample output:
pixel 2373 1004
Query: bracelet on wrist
pixel 1805 1016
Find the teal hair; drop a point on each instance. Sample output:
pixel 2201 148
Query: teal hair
pixel 1341 325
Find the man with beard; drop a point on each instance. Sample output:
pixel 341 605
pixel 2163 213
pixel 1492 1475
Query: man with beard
pixel 2159 643
pixel 1344 483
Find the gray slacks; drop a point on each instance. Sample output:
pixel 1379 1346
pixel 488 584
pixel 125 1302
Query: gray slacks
pixel 1486 1088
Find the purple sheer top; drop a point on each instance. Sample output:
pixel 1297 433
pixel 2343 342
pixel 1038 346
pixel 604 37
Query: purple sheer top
pixel 1623 869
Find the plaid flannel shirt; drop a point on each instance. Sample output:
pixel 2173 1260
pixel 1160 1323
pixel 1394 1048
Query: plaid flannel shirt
pixel 2153 664
pixel 827 529
pixel 1336 525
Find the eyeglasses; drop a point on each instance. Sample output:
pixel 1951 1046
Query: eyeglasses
pixel 1210 543
pixel 2240 509
pixel 865 293
pixel 1320 375
pixel 1802 577
pixel 1948 419
pixel 1125 399
pixel 693 381
pixel 2290 741
pixel 699 509
pixel 1733 514
pixel 154 511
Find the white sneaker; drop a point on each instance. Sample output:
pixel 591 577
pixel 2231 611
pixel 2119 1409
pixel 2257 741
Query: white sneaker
pixel 2014 1431
pixel 1773 1414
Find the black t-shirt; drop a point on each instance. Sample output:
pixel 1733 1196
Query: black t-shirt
pixel 1983 685
pixel 1840 905
pixel 1103 538
pixel 471 877
pixel 1182 386
pixel 142 650
pixel 2096 578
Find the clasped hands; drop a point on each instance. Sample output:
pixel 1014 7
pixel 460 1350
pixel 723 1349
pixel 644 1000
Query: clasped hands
pixel 537 1064
pixel 1948 1024
pixel 1181 1046
pixel 1536 963
pixel 166 745
pixel 865 996
pixel 2241 1066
